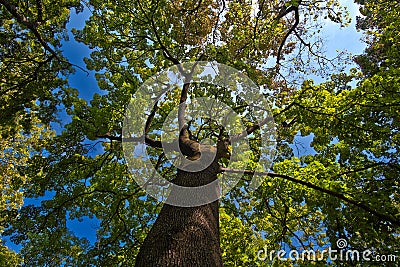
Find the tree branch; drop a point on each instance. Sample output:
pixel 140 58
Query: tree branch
pixel 182 105
pixel 149 141
pixel 33 28
pixel 39 7
pixel 165 51
pixel 184 94
pixel 32 77
pixel 190 11
pixel 30 25
pixel 381 216
pixel 294 9
pixel 250 129
pixel 150 117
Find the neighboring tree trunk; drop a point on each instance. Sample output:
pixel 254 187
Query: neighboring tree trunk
pixel 185 236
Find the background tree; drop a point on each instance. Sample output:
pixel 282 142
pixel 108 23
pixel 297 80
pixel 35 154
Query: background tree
pixel 31 63
pixel 348 189
pixel 31 89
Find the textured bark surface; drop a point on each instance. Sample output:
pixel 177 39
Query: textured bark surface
pixel 185 236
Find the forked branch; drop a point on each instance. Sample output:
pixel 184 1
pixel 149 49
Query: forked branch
pixel 282 14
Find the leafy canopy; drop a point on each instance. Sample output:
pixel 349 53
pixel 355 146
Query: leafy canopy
pixel 347 189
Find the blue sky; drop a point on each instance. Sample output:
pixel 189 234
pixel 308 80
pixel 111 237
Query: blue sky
pixel 338 39
pixel 75 52
pixel 344 38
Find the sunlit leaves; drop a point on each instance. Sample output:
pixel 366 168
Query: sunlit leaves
pixel 9 258
pixel 353 119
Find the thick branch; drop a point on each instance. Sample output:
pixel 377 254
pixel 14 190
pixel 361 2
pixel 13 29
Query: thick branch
pixel 110 137
pixel 340 196
pixel 33 28
pixel 165 51
pixel 187 146
pixel 184 94
pixel 182 104
pixel 149 141
pixel 39 7
pixel 30 25
pixel 284 11
pixel 150 118
pixel 294 9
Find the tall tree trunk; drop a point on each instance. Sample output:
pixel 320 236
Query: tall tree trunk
pixel 185 236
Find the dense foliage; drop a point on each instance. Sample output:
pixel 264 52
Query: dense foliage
pixel 348 188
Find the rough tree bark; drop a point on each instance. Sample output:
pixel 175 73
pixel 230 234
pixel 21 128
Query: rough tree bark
pixel 186 236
